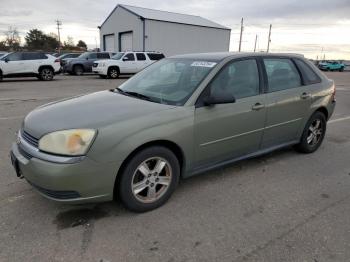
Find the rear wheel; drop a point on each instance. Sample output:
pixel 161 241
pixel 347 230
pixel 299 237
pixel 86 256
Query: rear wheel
pixel 149 179
pixel 113 72
pixel 341 69
pixel 78 70
pixel 313 133
pixel 46 74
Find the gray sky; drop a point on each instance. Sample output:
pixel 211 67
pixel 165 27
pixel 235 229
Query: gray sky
pixel 298 26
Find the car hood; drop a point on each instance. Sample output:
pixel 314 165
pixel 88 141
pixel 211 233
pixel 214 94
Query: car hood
pixel 87 111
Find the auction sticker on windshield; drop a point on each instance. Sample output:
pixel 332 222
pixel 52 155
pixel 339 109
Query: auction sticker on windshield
pixel 203 64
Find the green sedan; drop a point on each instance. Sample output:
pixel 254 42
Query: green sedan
pixel 179 117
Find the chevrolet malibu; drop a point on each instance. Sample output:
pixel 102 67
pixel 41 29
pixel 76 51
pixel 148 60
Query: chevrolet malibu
pixel 179 117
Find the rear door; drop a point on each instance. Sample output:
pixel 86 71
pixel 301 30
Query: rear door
pixel 141 61
pixel 227 131
pixel 287 102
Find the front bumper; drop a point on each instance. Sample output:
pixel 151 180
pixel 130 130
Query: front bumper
pixel 100 70
pixel 80 181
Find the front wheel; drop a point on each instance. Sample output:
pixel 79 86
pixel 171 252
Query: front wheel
pixel 149 179
pixel 46 74
pixel 78 70
pixel 313 133
pixel 113 73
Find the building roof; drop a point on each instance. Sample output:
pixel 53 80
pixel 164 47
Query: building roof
pixel 158 15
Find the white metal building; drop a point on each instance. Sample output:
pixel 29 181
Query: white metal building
pixel 130 28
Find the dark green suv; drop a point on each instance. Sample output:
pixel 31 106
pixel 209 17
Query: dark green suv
pixel 179 117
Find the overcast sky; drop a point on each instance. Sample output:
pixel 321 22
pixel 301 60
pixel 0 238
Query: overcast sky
pixel 297 26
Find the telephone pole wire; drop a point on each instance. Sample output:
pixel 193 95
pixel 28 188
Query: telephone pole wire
pixel 240 37
pixel 59 23
pixel 256 40
pixel 269 40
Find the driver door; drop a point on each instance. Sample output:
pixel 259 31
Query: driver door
pixel 128 65
pixel 13 64
pixel 232 130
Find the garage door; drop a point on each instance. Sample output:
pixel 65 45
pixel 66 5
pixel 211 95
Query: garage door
pixel 109 43
pixel 126 41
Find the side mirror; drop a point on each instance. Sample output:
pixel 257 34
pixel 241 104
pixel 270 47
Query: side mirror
pixel 87 58
pixel 125 59
pixel 219 98
pixel 6 60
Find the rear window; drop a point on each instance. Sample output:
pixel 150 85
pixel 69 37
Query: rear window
pixel 309 76
pixel 33 56
pixel 281 74
pixel 155 56
pixel 103 55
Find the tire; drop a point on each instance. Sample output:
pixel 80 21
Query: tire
pixel 341 69
pixel 46 74
pixel 78 70
pixel 140 189
pixel 1 76
pixel 313 134
pixel 113 73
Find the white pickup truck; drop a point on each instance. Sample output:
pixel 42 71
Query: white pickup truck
pixel 125 63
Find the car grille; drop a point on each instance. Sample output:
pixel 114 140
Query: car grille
pixel 24 153
pixel 30 139
pixel 94 64
pixel 56 194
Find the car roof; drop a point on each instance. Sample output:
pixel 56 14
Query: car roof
pixel 218 56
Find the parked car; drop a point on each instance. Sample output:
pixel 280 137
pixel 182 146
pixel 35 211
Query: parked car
pixel 331 66
pixel 176 118
pixel 64 58
pixel 29 64
pixel 84 62
pixel 125 63
pixel 2 54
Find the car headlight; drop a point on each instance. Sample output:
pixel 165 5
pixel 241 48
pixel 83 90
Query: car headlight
pixel 73 142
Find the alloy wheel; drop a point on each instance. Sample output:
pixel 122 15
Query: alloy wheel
pixel 151 179
pixel 46 74
pixel 315 132
pixel 113 73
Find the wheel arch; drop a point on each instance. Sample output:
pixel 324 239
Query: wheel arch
pixel 172 146
pixel 113 66
pixel 323 110
pixel 45 66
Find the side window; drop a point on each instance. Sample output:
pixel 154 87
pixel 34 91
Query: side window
pixel 240 78
pixel 310 77
pixel 93 56
pixel 103 56
pixel 155 56
pixel 140 56
pixel 14 57
pixel 130 57
pixel 281 74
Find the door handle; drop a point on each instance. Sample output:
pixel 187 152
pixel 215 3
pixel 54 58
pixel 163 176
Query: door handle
pixel 305 95
pixel 258 106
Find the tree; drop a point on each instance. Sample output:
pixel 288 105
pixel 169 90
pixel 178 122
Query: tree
pixel 81 44
pixel 37 40
pixel 69 44
pixel 12 40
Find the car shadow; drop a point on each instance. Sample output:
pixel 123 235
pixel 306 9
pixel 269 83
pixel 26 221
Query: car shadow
pixel 87 214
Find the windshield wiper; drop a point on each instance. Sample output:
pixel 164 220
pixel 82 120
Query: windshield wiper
pixel 134 94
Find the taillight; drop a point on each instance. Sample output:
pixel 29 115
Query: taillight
pixel 57 61
pixel 333 94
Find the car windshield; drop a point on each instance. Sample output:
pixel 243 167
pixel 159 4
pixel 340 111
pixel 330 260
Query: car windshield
pixel 117 56
pixel 169 81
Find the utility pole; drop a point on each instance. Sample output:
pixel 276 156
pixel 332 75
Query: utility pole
pixel 256 40
pixel 59 23
pixel 240 37
pixel 269 40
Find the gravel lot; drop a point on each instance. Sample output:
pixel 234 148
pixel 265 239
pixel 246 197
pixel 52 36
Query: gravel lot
pixel 284 206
